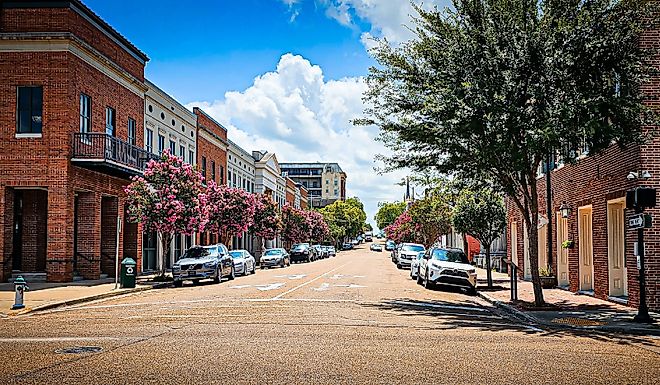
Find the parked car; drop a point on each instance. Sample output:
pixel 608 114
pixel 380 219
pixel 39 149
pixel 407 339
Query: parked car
pixel 347 246
pixel 244 262
pixel 394 252
pixel 331 251
pixel 275 257
pixel 406 253
pixel 447 267
pixel 390 245
pixel 414 265
pixel 203 262
pixel 320 251
pixel 302 252
pixel 376 247
pixel 355 242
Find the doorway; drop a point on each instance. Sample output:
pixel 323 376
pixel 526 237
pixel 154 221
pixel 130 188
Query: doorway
pixel 616 249
pixel 562 253
pixel 585 234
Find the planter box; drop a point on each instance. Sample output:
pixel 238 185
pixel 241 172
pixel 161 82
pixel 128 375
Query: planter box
pixel 548 282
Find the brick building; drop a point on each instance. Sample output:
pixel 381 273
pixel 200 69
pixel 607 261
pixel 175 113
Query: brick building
pixel 602 262
pixel 212 149
pixel 71 128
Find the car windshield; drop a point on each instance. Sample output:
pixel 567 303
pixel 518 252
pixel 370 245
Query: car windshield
pixel 200 252
pixel 273 252
pixel 412 248
pixel 449 256
pixel 236 254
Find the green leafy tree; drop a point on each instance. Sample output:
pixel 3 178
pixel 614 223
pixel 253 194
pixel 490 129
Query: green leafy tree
pixel 431 218
pixel 388 212
pixel 493 87
pixel 481 213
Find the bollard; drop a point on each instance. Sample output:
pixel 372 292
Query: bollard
pixel 19 288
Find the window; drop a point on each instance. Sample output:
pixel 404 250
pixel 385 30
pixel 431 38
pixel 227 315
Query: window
pixel 161 144
pixel 85 113
pixel 30 104
pixel 151 109
pixel 327 181
pixel 172 147
pixel 204 166
pixel 213 170
pixel 131 131
pixel 173 122
pixel 148 140
pixel 182 152
pixel 162 116
pixel 191 157
pixel 222 174
pixel 110 126
pixel 233 181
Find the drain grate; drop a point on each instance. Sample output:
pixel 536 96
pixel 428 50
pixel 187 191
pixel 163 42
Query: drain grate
pixel 574 321
pixel 80 350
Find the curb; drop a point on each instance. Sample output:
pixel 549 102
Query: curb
pixel 512 310
pixel 96 297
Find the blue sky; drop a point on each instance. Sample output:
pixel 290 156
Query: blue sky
pixel 198 53
pixel 285 76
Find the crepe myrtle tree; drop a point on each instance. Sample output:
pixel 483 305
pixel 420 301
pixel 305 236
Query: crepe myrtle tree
pixel 230 211
pixel 402 229
pixel 266 220
pixel 295 227
pixel 168 199
pixel 481 213
pixel 318 228
pixel 492 88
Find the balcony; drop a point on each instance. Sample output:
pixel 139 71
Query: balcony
pixel 107 154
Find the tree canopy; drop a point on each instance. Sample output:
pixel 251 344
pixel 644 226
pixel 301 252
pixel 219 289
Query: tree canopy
pixel 388 212
pixel 494 87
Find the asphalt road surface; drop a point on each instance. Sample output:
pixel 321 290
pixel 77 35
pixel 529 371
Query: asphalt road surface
pixel 352 319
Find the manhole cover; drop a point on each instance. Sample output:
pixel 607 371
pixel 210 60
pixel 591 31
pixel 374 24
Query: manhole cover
pixel 577 321
pixel 79 350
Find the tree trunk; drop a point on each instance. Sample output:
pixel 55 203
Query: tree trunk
pixel 166 244
pixel 533 240
pixel 466 247
pixel 489 273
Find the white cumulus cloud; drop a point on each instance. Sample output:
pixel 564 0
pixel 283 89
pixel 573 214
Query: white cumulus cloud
pixel 294 112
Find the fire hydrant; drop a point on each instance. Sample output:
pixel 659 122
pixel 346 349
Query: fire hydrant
pixel 19 288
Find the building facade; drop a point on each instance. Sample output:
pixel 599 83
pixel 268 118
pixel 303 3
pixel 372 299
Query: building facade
pixel 168 125
pixel 72 135
pixel 602 261
pixel 324 182
pixel 212 147
pixel 241 174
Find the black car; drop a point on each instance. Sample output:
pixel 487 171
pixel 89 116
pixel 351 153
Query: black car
pixel 347 246
pixel 390 245
pixel 302 252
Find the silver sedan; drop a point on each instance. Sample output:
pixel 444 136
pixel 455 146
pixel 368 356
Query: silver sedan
pixel 244 262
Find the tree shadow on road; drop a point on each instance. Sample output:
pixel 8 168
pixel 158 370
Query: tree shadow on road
pixel 472 315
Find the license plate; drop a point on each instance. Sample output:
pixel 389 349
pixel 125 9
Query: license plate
pixel 191 273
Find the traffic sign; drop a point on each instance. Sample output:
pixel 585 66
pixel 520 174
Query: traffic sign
pixel 636 221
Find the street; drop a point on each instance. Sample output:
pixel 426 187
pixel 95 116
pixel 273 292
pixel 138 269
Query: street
pixel 354 318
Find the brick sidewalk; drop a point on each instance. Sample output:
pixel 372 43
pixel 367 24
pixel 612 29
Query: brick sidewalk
pixel 566 308
pixel 42 295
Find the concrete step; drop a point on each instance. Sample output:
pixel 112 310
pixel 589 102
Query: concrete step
pixel 29 277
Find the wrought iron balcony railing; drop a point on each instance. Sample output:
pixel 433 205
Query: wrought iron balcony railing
pixel 109 154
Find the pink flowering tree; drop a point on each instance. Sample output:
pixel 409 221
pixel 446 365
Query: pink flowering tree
pixel 402 229
pixel 318 228
pixel 295 227
pixel 267 222
pixel 230 211
pixel 169 199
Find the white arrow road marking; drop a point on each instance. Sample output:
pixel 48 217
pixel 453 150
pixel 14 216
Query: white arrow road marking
pixel 323 287
pixel 337 276
pixel 359 276
pixel 239 286
pixel 293 276
pixel 351 286
pixel 271 286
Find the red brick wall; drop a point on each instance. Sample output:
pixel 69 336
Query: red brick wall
pixel 210 151
pixel 44 162
pixel 67 20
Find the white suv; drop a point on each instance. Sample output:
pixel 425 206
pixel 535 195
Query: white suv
pixel 447 267
pixel 406 253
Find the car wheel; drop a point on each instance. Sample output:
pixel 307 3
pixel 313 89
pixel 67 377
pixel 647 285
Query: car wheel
pixel 398 266
pixel 177 283
pixel 419 279
pixel 427 282
pixel 218 276
pixel 232 275
pixel 472 291
pixel 253 268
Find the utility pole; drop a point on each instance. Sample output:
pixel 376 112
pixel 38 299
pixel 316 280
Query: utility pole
pixel 548 205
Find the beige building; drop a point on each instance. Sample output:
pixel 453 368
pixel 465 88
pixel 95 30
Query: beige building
pixel 325 182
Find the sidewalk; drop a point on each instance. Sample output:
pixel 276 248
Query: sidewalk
pixel 565 309
pixel 46 295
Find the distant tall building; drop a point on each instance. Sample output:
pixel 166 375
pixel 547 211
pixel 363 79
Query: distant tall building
pixel 325 182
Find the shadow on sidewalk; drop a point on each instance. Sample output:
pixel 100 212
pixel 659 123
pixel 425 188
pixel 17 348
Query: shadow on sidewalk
pixel 467 315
